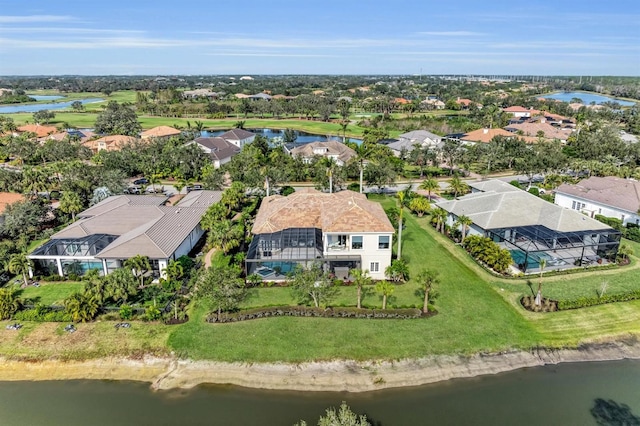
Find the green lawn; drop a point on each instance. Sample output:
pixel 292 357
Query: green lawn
pixel 472 318
pixel 52 293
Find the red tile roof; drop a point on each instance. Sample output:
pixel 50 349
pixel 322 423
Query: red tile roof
pixel 7 198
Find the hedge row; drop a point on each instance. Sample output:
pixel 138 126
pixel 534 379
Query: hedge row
pixel 583 302
pixel 305 311
pixel 40 316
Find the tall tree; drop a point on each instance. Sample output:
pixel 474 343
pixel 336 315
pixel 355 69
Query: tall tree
pixel 20 264
pixel 401 196
pixel 542 265
pixel 118 119
pixel 70 202
pixel 431 186
pixel 312 284
pixel 464 222
pixel 221 288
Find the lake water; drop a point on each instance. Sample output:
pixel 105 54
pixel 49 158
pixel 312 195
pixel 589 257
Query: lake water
pixel 587 98
pixel 50 107
pixel 301 137
pixel 551 395
pixel 46 97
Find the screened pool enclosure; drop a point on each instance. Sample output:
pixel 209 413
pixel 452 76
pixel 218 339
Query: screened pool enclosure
pixel 274 255
pixel 529 245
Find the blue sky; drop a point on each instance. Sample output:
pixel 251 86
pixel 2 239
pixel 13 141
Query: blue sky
pixel 587 37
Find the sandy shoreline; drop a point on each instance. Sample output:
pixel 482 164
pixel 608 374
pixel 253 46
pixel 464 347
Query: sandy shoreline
pixel 350 376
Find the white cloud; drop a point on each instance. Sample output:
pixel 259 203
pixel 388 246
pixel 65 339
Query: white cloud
pixel 452 33
pixel 8 19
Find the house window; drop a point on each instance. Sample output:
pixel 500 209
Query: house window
pixel 356 242
pixel 374 267
pixel 383 242
pixel 573 205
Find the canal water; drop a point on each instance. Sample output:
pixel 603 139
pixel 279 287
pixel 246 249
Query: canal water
pixel 552 395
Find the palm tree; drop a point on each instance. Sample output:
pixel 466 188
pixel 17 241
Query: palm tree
pixel 174 270
pixel 431 185
pixel 10 303
pixel 139 265
pixel 386 289
pixel 361 279
pixel 19 263
pixel 440 216
pixel 362 152
pixel 542 264
pixel 624 251
pixel 426 280
pixel 401 196
pixel 82 307
pixel 330 164
pixel 464 222
pixel 457 186
pixel 70 202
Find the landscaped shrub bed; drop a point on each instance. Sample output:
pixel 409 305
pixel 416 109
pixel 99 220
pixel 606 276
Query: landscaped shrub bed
pixel 305 311
pixel 546 305
pixel 583 302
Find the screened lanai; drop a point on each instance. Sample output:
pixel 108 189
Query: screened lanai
pixel 274 255
pixel 529 245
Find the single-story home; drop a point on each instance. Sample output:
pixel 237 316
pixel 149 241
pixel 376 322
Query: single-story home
pixel 607 196
pixel 121 227
pixel 39 130
pixel 532 228
pixel 342 231
pixel 486 135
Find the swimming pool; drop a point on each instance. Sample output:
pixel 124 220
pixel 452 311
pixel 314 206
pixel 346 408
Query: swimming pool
pixel 533 259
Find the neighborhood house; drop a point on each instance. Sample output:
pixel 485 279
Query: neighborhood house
pixel 533 229
pixel 121 227
pixel 342 231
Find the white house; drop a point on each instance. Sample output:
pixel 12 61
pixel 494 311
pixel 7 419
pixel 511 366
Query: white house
pixel 238 137
pixel 407 142
pixel 607 196
pixel 124 226
pixel 342 231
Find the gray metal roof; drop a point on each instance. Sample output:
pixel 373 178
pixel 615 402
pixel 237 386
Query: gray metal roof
pixel 142 226
pixel 494 210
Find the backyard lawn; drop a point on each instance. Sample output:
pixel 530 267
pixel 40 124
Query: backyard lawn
pixel 52 293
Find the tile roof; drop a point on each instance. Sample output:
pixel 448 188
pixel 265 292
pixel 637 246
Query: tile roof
pixel 7 198
pixel 160 132
pixel 513 208
pixel 532 128
pixel 610 191
pixel 345 211
pixel 333 149
pixel 39 130
pixel 110 143
pixel 485 135
pixel 143 224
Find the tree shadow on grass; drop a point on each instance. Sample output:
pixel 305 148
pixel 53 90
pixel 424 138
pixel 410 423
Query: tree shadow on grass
pixel 610 413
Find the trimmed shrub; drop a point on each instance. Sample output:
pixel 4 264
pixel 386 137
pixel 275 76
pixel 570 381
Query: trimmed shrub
pixel 305 311
pixel 40 315
pixel 583 302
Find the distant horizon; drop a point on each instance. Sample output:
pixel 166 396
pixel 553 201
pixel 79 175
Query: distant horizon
pixel 491 76
pixel 332 37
